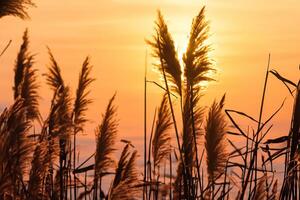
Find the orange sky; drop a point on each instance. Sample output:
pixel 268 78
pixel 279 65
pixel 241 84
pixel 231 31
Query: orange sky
pixel 113 33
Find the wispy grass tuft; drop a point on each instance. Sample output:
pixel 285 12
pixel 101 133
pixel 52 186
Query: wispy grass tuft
pixel 106 134
pixel 196 59
pixel 126 183
pixel 54 77
pixel 25 80
pixel 16 8
pixel 164 49
pixel 45 154
pixel 161 144
pixel 15 147
pixel 215 131
pixel 82 92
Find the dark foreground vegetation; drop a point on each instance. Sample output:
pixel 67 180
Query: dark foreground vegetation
pixel 38 154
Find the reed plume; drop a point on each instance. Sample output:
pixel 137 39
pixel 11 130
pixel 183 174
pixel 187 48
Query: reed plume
pixel 80 106
pixel 170 69
pixel 196 66
pixel 105 140
pixel 15 147
pixel 29 92
pixel 123 161
pixel 162 139
pixel 126 182
pixel 21 64
pixel 215 131
pixel 16 8
pixel 60 115
pixel 45 154
pixel 196 60
pixel 81 100
pixel 25 84
pixel 53 77
pixel 60 120
pixel 164 49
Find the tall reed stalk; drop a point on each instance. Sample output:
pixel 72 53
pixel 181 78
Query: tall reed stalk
pixel 79 109
pixel 106 135
pixel 215 131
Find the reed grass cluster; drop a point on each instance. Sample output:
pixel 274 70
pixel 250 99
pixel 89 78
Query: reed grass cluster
pixel 213 156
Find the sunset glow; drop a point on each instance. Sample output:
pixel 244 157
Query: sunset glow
pixel 114 35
